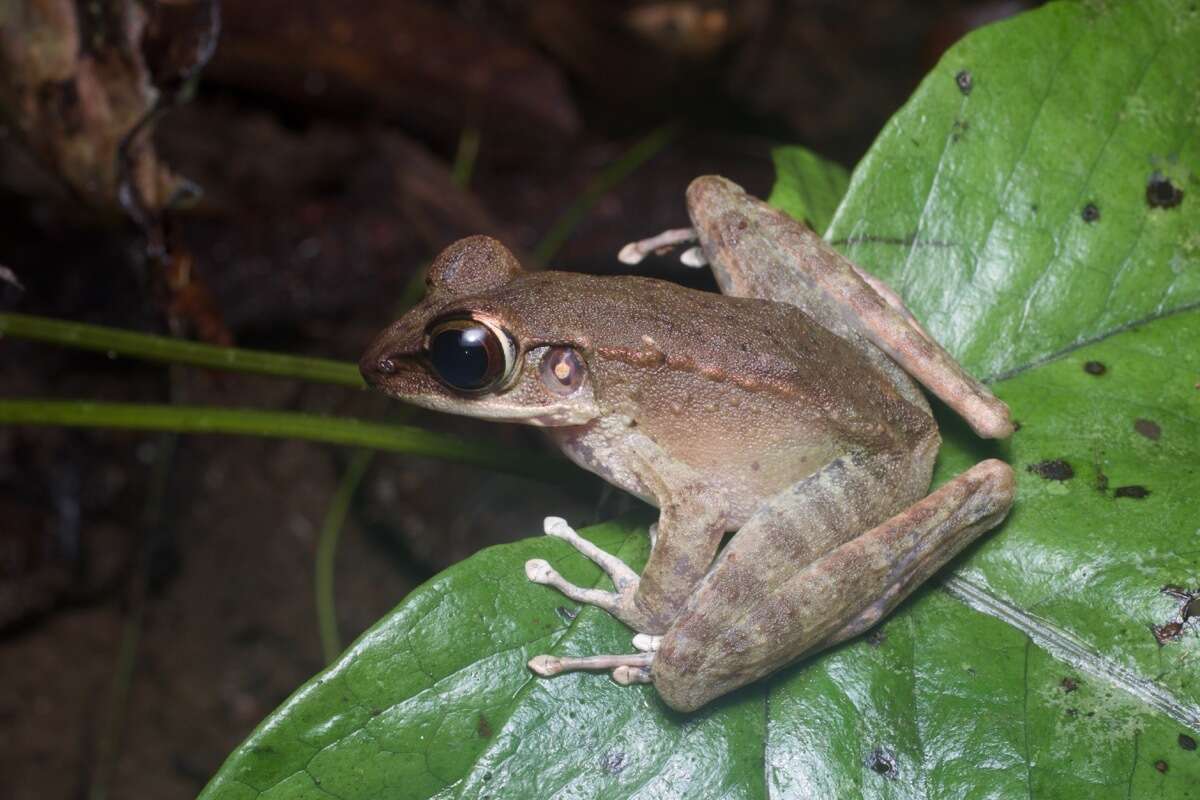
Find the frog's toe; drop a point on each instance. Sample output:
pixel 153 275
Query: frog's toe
pixel 540 571
pixel 634 252
pixel 646 642
pixel 693 257
pixel 623 578
pixel 626 669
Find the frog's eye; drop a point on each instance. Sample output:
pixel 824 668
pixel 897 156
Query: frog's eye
pixel 562 371
pixel 470 355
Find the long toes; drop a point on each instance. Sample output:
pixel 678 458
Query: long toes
pixel 548 666
pixel 634 252
pixel 623 577
pixel 539 571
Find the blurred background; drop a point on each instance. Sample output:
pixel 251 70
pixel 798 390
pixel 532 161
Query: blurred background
pixel 273 175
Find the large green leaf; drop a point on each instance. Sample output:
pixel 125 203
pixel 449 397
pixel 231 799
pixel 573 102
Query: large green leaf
pixel 942 701
pixel 1025 199
pixel 807 186
pixel 1040 672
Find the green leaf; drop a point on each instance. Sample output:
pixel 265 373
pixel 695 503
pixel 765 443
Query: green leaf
pixel 974 205
pixel 807 186
pixel 1037 671
pixel 285 424
pixel 1070 696
pixel 116 342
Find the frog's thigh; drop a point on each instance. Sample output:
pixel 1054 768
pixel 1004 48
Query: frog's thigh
pixel 836 596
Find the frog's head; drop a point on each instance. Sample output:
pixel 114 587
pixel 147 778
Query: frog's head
pixel 467 348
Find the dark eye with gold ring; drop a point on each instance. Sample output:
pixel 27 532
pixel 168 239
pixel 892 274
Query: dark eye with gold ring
pixel 469 355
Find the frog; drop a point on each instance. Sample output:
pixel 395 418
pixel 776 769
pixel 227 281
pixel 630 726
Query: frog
pixel 779 427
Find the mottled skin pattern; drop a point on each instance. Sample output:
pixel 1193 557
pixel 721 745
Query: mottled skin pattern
pixel 779 410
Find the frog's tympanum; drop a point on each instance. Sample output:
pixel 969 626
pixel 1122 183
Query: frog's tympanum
pixel 785 409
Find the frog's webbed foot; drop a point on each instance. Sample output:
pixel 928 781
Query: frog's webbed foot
pixel 626 669
pixel 625 580
pixel 634 252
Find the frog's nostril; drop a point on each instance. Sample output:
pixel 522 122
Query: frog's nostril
pixel 375 368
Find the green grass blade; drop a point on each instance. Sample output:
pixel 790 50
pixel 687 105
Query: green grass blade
pixel 174 351
pixel 327 544
pixel 283 424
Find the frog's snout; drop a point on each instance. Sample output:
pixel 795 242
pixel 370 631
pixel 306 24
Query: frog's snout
pixel 377 363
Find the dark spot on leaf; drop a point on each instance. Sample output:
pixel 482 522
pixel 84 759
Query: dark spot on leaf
pixel 964 81
pixel 1094 368
pixel 1167 633
pixel 1160 765
pixel 1187 742
pixel 876 637
pixel 1161 193
pixel 1134 491
pixel 1069 684
pixel 566 613
pixel 1190 607
pixel 1090 213
pixel 613 762
pixel 483 727
pixel 883 762
pixel 1190 610
pixel 1054 469
pixel 1148 428
pixel 1101 481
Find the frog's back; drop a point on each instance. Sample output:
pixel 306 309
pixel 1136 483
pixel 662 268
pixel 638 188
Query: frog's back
pixel 775 395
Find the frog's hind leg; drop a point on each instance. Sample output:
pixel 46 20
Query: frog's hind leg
pixel 624 579
pixel 895 301
pixel 758 251
pixel 806 607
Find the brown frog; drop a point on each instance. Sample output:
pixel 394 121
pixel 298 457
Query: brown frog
pixel 784 409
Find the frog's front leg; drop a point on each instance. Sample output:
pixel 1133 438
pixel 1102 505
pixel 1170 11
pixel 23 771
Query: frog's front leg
pixel 792 583
pixel 693 519
pixel 688 535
